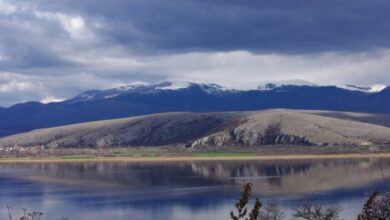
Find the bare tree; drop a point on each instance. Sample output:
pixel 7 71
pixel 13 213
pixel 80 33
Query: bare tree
pixel 25 215
pixel 377 207
pixel 271 211
pixel 310 211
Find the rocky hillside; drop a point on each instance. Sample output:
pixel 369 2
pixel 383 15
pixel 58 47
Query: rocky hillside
pixel 214 130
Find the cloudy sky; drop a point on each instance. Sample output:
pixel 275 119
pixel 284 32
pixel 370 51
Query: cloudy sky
pixel 52 50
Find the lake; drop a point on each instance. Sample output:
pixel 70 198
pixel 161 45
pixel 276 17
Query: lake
pixel 185 189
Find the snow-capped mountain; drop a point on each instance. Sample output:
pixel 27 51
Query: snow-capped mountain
pixel 146 88
pixel 210 88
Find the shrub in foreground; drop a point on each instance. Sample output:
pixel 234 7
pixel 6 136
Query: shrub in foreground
pixel 377 207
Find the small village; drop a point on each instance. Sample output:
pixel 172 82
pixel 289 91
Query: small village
pixel 18 150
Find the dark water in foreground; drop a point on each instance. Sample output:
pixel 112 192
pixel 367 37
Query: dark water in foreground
pixel 184 190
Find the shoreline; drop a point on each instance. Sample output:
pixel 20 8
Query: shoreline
pixel 173 158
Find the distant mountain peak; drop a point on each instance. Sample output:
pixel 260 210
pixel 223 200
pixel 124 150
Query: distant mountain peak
pixel 131 86
pixel 146 88
pixel 277 84
pixel 298 83
pixel 164 85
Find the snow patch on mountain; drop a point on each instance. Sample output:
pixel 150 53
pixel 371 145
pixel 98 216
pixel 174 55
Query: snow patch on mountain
pixel 369 89
pixel 174 85
pixel 51 99
pixel 111 96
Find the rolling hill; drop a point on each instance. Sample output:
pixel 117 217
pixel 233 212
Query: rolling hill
pixel 213 130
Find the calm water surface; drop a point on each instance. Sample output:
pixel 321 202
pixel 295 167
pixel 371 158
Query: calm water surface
pixel 185 190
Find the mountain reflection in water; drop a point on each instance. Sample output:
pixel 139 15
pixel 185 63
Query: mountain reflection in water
pixel 191 188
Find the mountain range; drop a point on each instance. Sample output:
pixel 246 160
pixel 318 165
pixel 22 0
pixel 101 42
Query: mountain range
pixel 141 99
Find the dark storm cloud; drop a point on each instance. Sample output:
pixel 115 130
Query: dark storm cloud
pixel 55 49
pixel 24 56
pixel 281 26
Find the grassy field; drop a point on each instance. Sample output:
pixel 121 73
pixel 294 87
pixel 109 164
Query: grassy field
pixel 165 154
pixel 194 156
pixel 223 154
pixel 141 153
pixel 78 157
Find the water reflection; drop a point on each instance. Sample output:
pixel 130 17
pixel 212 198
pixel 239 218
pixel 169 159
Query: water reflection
pixel 188 188
pixel 298 177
